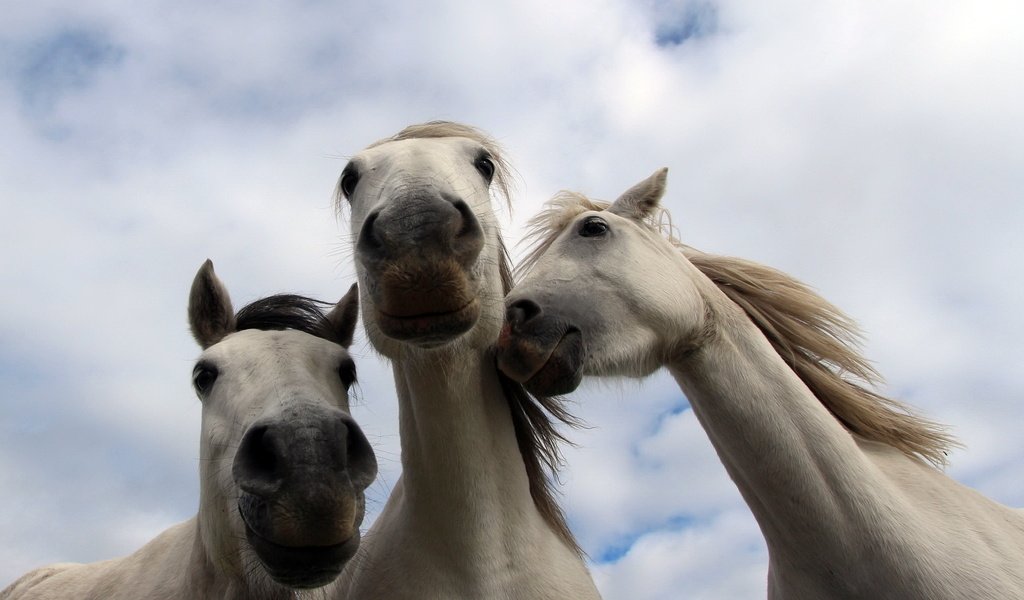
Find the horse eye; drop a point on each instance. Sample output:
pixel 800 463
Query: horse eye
pixel 593 227
pixel 349 181
pixel 203 377
pixel 347 372
pixel 485 164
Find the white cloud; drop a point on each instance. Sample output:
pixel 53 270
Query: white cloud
pixel 872 150
pixel 722 559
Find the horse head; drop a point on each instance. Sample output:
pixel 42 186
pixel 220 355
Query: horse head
pixel 283 462
pixel 576 310
pixel 427 240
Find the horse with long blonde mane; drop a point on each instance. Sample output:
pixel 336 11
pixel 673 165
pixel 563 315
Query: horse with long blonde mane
pixel 283 466
pixel 844 483
pixel 472 515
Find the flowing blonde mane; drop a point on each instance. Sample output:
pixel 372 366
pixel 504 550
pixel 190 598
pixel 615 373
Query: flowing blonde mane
pixel 816 339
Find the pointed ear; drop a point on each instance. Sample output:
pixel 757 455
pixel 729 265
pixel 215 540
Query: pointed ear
pixel 639 201
pixel 345 315
pixel 210 315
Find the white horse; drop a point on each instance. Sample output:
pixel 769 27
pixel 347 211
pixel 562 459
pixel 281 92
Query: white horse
pixel 472 515
pixel 283 466
pixel 842 481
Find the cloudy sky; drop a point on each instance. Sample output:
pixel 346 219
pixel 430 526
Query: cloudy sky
pixel 873 149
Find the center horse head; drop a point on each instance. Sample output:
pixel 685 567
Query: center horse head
pixel 428 247
pixel 433 273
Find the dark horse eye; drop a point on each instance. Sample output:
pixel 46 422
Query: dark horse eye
pixel 347 372
pixel 203 377
pixel 349 180
pixel 593 227
pixel 485 164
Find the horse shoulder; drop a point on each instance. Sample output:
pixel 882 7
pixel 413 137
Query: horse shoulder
pixel 965 532
pixel 29 582
pixel 933 491
pixel 60 581
pixel 158 571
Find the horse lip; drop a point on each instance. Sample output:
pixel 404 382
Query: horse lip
pixel 301 566
pixel 519 356
pixel 544 369
pixel 429 315
pixel 562 372
pixel 430 329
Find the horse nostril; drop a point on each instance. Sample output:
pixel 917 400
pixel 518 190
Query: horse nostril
pixel 467 235
pixel 522 311
pixel 257 465
pixel 370 241
pixel 470 224
pixel 360 459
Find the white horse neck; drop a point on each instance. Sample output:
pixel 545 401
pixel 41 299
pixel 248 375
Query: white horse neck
pixel 770 431
pixel 842 517
pixel 461 522
pixel 459 451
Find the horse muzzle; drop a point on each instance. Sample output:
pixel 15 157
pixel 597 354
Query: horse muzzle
pixel 301 478
pixel 543 352
pixel 418 255
pixel 305 566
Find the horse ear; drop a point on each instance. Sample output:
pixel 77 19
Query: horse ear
pixel 344 315
pixel 210 315
pixel 640 200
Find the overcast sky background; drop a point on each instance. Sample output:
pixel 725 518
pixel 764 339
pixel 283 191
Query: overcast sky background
pixel 873 149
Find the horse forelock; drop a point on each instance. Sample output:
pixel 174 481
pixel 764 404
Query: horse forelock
pixel 560 211
pixel 287 311
pixel 503 182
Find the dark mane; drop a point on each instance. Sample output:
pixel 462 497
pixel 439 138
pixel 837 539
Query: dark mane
pixel 533 418
pixel 287 311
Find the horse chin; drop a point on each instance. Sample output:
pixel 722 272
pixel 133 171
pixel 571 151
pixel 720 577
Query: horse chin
pixel 313 564
pixel 430 330
pixel 544 369
pixel 303 567
pixel 425 303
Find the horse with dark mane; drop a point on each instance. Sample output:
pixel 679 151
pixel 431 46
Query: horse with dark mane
pixel 283 466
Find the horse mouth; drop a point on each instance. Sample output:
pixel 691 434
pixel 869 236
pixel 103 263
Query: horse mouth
pixel 546 366
pixel 430 328
pixel 302 567
pixel 312 559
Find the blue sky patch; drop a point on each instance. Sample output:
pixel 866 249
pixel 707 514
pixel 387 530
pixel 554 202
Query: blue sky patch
pixel 694 20
pixel 66 61
pixel 682 405
pixel 614 552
